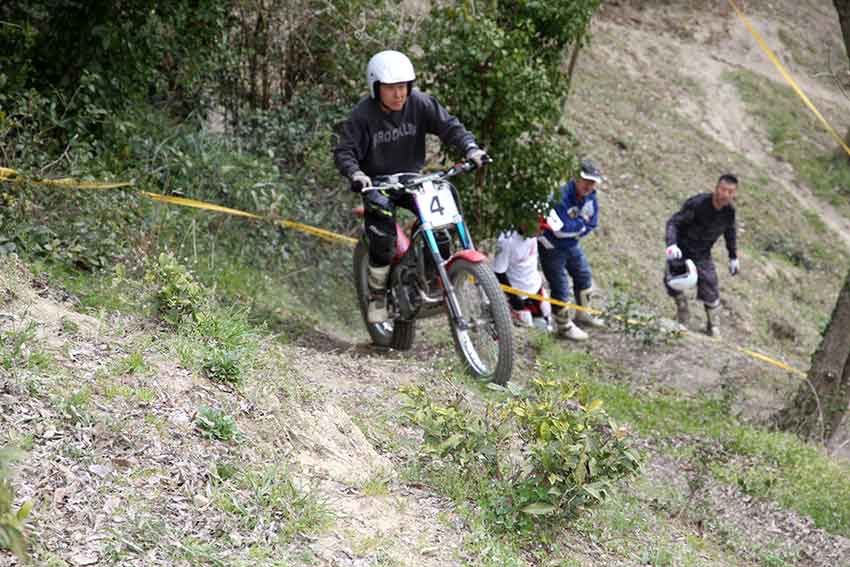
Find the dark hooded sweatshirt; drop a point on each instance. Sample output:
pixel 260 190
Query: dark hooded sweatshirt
pixel 382 143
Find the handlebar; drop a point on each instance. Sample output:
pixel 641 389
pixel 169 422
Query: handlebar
pixel 464 166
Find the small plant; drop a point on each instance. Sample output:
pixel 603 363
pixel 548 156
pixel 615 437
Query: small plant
pixel 14 345
pixel 75 406
pixel 69 326
pixel 215 424
pixel 178 293
pixel 134 363
pixel 11 521
pixel 223 366
pixel 626 315
pixel 262 499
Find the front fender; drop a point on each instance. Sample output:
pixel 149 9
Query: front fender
pixel 473 256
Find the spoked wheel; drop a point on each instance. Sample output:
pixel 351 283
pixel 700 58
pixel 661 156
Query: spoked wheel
pixel 486 345
pixel 396 334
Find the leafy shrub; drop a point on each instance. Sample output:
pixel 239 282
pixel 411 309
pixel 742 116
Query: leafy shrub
pixel 533 454
pixel 575 451
pixel 177 291
pixel 11 521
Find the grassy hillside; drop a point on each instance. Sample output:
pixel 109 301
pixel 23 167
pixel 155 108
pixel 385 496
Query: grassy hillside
pixel 221 405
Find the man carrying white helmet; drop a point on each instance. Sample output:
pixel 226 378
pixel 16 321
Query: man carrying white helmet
pixel 385 135
pixel 691 233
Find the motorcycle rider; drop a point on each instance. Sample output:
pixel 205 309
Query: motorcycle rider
pixel 691 233
pixel 385 135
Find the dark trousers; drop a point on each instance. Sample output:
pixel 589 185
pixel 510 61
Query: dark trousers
pixel 562 264
pixel 379 220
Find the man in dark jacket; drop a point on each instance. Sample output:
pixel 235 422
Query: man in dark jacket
pixel 385 135
pixel 691 233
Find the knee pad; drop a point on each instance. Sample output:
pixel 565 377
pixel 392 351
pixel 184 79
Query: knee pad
pixel 381 246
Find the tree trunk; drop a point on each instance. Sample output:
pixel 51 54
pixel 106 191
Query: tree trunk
pixel 821 401
pixel 843 9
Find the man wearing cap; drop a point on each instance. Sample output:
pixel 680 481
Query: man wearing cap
pixel 574 216
pixel 691 233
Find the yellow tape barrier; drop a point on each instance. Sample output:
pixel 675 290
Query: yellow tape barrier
pixel 13 176
pixel 7 174
pixel 748 352
pixel 775 60
pixel 184 202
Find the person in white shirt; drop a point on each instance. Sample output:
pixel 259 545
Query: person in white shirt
pixel 515 265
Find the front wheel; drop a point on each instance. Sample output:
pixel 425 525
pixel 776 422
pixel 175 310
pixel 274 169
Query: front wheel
pixel 396 334
pixel 486 345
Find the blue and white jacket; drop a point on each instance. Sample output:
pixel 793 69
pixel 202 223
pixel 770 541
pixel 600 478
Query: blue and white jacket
pixel 570 219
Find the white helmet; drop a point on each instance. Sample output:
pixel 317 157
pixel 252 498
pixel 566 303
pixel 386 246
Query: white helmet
pixel 681 274
pixel 388 67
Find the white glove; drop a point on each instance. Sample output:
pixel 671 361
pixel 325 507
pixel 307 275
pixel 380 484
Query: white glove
pixel 476 155
pixel 360 180
pixel 673 252
pixel 733 267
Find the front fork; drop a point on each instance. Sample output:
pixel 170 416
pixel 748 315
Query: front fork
pixel 451 297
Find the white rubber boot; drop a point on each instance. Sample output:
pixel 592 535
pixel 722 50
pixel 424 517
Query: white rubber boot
pixel 566 329
pixel 583 298
pixel 377 310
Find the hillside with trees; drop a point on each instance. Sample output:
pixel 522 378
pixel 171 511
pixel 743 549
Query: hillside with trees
pixel 184 387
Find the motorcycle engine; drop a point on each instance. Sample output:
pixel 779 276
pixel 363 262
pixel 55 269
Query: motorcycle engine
pixel 406 291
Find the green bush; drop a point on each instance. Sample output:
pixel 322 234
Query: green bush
pixel 574 450
pixel 177 291
pixel 534 454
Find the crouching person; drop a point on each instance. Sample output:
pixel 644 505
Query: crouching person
pixel 515 265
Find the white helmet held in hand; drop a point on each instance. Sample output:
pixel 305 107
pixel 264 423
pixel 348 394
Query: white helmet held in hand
pixel 681 274
pixel 389 67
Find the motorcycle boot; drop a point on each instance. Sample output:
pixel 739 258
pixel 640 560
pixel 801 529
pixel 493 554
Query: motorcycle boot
pixel 377 310
pixel 584 298
pixel 565 328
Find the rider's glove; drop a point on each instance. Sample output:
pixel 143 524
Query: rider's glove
pixel 673 252
pixel 476 156
pixel 360 181
pixel 733 267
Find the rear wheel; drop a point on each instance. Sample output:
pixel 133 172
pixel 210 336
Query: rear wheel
pixel 395 334
pixel 486 346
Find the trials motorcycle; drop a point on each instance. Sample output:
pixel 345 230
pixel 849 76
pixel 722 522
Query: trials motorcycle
pixel 436 269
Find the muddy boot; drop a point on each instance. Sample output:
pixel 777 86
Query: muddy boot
pixel 565 328
pixel 711 320
pixel 583 298
pixel 683 315
pixel 377 310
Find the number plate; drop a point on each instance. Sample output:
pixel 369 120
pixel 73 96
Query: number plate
pixel 436 205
